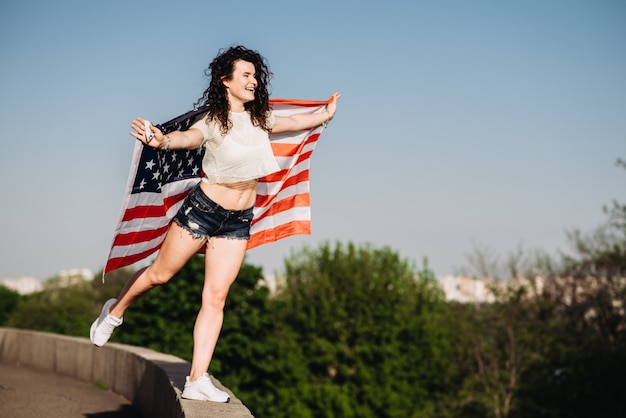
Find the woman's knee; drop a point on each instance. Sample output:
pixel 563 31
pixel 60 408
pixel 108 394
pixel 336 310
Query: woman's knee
pixel 156 277
pixel 214 298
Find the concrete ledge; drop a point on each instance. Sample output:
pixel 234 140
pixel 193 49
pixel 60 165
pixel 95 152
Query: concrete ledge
pixel 152 381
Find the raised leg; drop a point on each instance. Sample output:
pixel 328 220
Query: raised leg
pixel 179 246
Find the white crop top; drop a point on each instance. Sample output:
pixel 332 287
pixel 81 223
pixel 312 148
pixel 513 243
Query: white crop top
pixel 244 153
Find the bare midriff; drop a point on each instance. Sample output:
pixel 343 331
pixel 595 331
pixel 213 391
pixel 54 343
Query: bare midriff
pixel 234 196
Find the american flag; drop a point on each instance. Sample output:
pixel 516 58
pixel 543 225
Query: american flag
pixel 159 181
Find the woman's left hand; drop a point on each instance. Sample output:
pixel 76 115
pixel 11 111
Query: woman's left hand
pixel 331 107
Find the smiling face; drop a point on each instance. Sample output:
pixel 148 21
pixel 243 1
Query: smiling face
pixel 241 85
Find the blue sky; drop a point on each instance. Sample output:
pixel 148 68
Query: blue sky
pixel 495 123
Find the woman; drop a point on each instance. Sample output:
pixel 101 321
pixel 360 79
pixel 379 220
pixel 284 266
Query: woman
pixel 217 213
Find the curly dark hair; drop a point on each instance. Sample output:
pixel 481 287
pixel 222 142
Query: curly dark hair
pixel 216 95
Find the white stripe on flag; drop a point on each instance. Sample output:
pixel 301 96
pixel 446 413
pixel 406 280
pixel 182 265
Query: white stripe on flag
pixel 269 222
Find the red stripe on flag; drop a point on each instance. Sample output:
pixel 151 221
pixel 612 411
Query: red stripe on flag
pixel 283 174
pixel 118 262
pixel 264 200
pixel 296 102
pixel 140 236
pixel 290 149
pixel 153 211
pixel 282 231
pixel 298 200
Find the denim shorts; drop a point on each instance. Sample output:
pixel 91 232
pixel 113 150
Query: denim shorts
pixel 204 218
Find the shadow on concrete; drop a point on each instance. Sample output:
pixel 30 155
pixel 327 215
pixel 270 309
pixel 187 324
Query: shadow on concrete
pixel 124 411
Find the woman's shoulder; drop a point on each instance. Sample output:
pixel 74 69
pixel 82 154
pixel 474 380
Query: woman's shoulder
pixel 209 127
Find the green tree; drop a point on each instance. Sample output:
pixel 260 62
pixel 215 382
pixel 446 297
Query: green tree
pixel 603 251
pixel 560 352
pixel 500 342
pixel 109 286
pixel 8 301
pixel 592 302
pixel 365 325
pixel 61 307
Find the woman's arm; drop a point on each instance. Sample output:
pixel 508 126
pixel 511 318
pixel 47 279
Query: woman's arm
pixel 190 139
pixel 300 122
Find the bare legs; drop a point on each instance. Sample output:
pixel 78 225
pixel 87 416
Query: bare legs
pixel 223 261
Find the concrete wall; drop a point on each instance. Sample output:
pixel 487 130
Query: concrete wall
pixel 152 381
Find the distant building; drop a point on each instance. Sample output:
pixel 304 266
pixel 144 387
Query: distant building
pixel 23 285
pixel 466 290
pixel 28 285
pixel 76 274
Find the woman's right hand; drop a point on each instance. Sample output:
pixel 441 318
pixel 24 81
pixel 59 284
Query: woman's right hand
pixel 140 134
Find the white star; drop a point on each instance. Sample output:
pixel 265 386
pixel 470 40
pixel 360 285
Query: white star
pixel 166 168
pixel 156 175
pixel 142 184
pixel 150 164
pixel 194 171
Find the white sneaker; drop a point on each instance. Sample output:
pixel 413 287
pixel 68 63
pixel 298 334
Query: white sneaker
pixel 204 390
pixel 103 327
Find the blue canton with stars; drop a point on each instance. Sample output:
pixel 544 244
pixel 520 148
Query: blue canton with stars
pixel 158 167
